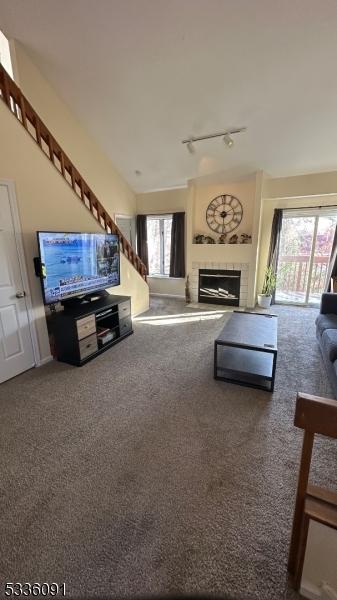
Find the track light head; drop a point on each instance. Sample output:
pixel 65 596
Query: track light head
pixel 228 140
pixel 190 147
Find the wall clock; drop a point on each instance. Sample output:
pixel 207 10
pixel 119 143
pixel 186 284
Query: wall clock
pixel 224 213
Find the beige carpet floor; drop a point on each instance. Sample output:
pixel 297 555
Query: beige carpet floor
pixel 139 474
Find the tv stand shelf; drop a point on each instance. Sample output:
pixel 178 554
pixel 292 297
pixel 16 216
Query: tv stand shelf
pixel 82 332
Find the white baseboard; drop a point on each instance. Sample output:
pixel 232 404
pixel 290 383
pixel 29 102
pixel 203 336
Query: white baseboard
pixel 313 592
pixel 168 295
pixel 310 591
pixel 44 361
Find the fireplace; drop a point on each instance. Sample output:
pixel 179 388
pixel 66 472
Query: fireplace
pixel 217 286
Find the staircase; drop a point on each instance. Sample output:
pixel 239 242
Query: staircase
pixel 19 106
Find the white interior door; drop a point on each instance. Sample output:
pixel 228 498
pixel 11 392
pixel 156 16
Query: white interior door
pixel 16 348
pixel 126 224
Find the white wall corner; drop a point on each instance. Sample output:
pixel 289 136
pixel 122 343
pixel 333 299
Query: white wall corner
pixel 256 235
pixel 190 204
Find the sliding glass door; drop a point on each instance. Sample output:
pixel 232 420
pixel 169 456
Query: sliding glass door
pixel 321 254
pixel 305 248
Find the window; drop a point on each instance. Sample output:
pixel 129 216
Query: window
pixel 159 244
pixel 5 57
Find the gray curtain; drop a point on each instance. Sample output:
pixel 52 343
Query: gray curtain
pixel 142 240
pixel 274 246
pixel 332 269
pixel 177 262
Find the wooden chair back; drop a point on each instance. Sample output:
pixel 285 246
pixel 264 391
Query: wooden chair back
pixel 314 415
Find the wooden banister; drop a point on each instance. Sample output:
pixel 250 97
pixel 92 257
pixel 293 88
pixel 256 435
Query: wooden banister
pixel 21 108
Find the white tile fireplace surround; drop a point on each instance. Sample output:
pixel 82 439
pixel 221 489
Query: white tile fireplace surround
pixel 243 267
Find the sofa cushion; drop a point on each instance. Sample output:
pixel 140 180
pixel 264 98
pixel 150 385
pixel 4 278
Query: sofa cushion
pixel 329 343
pixel 326 322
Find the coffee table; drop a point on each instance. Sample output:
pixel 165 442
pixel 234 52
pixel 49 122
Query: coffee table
pixel 245 351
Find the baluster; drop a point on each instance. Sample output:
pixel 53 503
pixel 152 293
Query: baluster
pixel 81 188
pixel 99 213
pixel 38 131
pixel 62 164
pixel 51 149
pixel 91 196
pixel 23 111
pixel 73 183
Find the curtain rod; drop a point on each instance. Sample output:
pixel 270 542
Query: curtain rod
pixel 307 207
pixel 162 213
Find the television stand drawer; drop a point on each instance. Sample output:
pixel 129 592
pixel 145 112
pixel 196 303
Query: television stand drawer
pixel 88 346
pixel 125 326
pixel 86 326
pixel 124 309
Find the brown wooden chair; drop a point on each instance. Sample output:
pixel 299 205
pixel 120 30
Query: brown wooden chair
pixel 315 416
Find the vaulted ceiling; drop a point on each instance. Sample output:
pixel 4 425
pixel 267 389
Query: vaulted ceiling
pixel 144 74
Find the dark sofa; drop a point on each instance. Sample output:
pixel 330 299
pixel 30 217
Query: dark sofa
pixel 326 333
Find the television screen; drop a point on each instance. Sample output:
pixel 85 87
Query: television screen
pixel 74 264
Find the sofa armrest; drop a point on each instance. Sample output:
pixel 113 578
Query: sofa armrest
pixel 329 303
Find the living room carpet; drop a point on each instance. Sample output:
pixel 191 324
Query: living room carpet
pixel 139 474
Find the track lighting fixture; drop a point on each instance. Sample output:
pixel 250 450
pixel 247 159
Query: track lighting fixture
pixel 226 135
pixel 228 140
pixel 190 147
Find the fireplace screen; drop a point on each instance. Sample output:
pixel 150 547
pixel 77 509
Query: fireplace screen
pixel 218 286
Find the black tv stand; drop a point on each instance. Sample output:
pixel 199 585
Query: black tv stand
pixel 84 330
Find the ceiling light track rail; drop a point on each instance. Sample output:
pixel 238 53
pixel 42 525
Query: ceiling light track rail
pixel 213 135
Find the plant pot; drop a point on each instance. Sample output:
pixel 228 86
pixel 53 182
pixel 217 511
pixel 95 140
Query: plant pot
pixel 264 300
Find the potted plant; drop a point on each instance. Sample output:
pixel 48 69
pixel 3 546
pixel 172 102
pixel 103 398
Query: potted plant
pixel 269 285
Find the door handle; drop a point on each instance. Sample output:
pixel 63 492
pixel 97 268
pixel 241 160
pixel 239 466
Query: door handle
pixel 20 294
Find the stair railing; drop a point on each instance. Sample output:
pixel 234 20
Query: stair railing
pixel 21 108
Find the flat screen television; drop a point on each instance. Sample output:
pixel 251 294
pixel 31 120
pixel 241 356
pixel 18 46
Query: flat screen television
pixel 77 264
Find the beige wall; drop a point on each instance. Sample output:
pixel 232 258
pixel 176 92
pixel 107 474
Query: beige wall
pixel 205 192
pixel 268 206
pixel 167 286
pixel 165 201
pixel 100 174
pixel 298 186
pixel 45 201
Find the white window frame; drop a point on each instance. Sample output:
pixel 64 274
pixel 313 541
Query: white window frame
pixel 161 219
